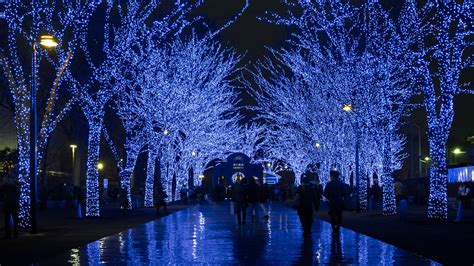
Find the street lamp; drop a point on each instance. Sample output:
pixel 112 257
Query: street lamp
pixel 73 148
pixel 100 166
pixel 456 152
pixel 349 108
pixel 166 132
pixel 194 153
pixel 47 41
pixel 317 145
pixel 427 164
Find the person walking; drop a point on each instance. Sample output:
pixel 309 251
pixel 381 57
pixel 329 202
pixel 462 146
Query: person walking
pixel 398 190
pixel 318 190
pixel 336 192
pixel 253 198
pixel 239 199
pixel 11 191
pixel 308 201
pixel 160 196
pixel 376 195
pixel 264 196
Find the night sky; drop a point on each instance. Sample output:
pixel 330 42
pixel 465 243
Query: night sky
pixel 250 36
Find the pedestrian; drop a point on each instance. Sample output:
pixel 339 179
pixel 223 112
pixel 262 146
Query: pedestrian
pixel 307 201
pixel 253 198
pixel 160 196
pixel 398 190
pixel 11 191
pixel 264 196
pixel 376 193
pixel 336 192
pixel 463 192
pixel 240 200
pixel 124 204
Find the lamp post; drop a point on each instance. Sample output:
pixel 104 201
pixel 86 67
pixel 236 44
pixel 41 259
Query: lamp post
pixel 46 41
pixel 456 152
pixel 412 157
pixel 427 164
pixel 73 149
pixel 348 109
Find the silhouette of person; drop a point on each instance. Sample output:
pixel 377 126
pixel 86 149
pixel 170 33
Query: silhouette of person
pixel 308 201
pixel 240 200
pixel 11 191
pixel 335 191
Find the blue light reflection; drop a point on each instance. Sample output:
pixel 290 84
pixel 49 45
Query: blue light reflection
pixel 209 234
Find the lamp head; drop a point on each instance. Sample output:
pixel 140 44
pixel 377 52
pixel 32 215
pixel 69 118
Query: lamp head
pixel 48 41
pixel 347 107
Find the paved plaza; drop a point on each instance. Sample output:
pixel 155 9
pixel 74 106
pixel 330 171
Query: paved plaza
pixel 208 234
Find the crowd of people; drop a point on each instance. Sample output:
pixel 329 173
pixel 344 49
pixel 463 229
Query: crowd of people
pixel 249 194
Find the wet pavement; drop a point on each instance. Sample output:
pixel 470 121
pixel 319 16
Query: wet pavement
pixel 208 234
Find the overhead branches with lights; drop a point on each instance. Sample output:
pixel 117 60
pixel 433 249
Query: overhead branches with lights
pixel 337 92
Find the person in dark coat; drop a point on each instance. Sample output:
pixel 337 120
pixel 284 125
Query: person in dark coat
pixel 308 201
pixel 318 190
pixel 376 193
pixel 11 192
pixel 160 196
pixel 240 200
pixel 335 192
pixel 253 198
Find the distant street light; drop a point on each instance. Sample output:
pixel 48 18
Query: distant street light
pixel 194 153
pixel 347 107
pixel 73 148
pixel 166 132
pixel 100 166
pixel 317 145
pixel 456 152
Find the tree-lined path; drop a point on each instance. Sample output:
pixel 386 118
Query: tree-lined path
pixel 208 234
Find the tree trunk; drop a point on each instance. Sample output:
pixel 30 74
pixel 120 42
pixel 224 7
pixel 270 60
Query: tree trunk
pixel 24 180
pixel 126 175
pixel 150 179
pixel 389 205
pixel 92 181
pixel 438 198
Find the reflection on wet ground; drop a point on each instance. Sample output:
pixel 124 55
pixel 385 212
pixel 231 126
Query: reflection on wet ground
pixel 208 234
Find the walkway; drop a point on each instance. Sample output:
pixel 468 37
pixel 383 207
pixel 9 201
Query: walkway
pixel 208 234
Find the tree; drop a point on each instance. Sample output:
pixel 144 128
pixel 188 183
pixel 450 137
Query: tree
pixel 440 33
pixel 26 21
